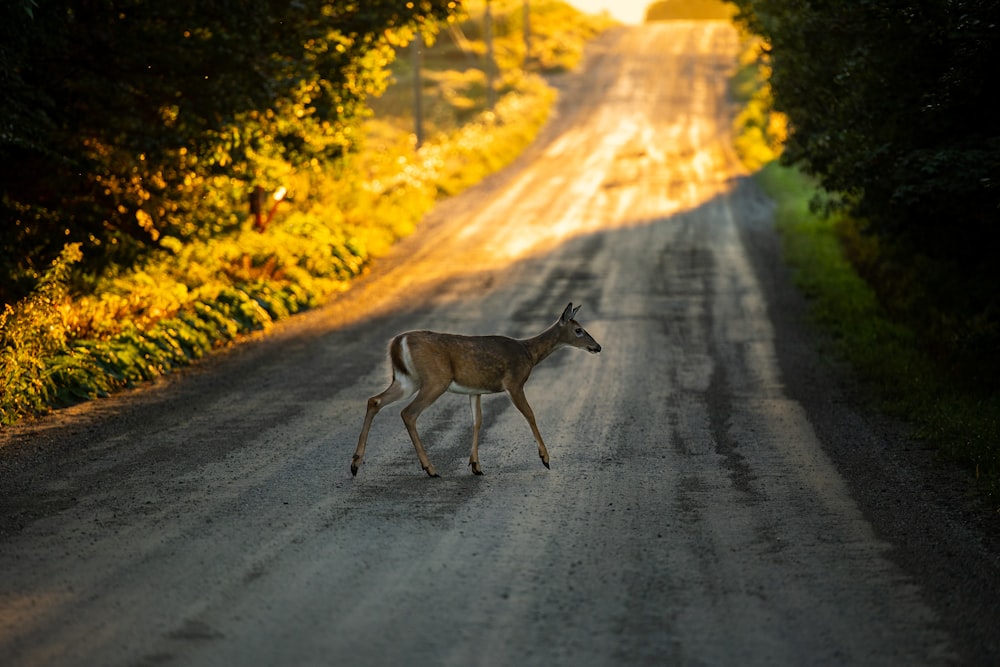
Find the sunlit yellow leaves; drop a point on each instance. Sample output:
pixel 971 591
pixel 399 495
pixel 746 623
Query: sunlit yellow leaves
pixel 200 33
pixel 137 303
pixel 169 114
pixel 212 270
pixel 31 332
pixel 760 131
pixel 399 37
pixel 145 221
pixel 171 243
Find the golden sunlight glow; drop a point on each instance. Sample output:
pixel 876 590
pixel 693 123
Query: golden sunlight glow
pixel 626 11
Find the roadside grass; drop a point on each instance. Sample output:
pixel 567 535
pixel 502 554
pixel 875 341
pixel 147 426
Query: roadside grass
pixel 906 377
pixel 77 337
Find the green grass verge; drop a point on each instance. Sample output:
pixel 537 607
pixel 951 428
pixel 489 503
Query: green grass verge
pixel 905 380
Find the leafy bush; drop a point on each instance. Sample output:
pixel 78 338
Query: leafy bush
pixel 189 296
pixel 32 332
pixel 889 106
pixel 127 122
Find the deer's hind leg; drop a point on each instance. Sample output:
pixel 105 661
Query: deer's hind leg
pixel 520 402
pixel 428 394
pixel 477 422
pixel 393 393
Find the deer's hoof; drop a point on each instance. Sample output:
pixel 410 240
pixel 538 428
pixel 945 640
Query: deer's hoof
pixel 431 472
pixel 546 464
pixel 354 466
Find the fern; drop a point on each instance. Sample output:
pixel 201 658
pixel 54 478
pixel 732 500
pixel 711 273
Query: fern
pixel 32 331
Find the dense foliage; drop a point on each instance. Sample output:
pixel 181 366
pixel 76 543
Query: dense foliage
pixel 88 327
pixel 889 105
pixel 920 360
pixel 123 122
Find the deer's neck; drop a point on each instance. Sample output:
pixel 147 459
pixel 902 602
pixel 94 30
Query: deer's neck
pixel 543 344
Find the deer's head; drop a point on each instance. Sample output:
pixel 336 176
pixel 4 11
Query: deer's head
pixel 573 334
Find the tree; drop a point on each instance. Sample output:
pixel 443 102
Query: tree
pixel 122 119
pixel 889 106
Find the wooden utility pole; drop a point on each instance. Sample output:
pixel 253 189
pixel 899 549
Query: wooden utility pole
pixel 527 34
pixel 490 63
pixel 416 51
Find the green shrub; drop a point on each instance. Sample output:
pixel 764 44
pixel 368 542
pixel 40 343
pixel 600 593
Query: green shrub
pixel 31 332
pixel 190 297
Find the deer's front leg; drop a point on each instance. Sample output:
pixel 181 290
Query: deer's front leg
pixel 477 422
pixel 521 403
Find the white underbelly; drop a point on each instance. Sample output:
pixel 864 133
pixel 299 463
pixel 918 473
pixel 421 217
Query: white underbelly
pixel 456 388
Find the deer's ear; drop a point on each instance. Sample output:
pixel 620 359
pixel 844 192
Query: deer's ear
pixel 569 313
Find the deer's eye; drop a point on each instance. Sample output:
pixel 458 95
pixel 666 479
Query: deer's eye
pixel 579 332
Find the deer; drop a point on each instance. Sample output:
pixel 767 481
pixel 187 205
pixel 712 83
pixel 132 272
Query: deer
pixel 429 364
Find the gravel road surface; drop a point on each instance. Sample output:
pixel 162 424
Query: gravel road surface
pixel 718 495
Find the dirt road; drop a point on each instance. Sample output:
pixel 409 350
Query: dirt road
pixel 713 497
